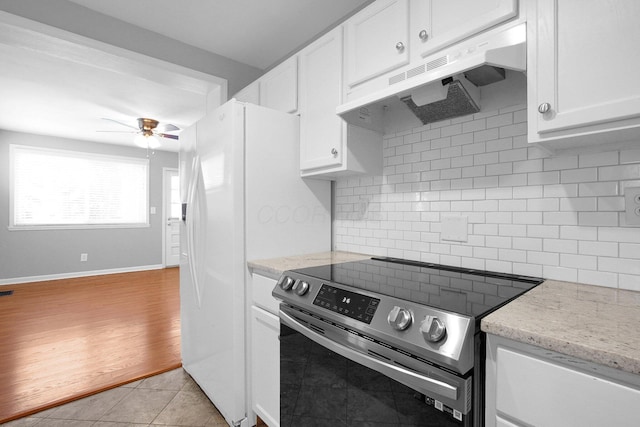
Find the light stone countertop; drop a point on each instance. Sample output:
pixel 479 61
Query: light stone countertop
pixel 592 323
pixel 274 267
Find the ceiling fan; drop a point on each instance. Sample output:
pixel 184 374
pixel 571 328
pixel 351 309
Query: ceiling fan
pixel 148 131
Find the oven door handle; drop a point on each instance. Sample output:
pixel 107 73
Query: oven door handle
pixel 425 385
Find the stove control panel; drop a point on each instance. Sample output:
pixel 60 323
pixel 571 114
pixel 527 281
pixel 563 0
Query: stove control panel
pixel 351 304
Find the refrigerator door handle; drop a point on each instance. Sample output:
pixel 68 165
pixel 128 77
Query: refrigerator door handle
pixel 190 227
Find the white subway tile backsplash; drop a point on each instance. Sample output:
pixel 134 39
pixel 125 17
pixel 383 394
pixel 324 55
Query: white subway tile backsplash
pixel 560 273
pixel 560 163
pixel 513 130
pixel 599 159
pixel 528 212
pixel 488 135
pixel 514 155
pixel 630 156
pixel 617 173
pixel 580 204
pixel 578 233
pixel 629 281
pixel 597 189
pixel 527 243
pixel 630 250
pixel 578 175
pixel 580 262
pixel 599 278
pixel 603 219
pixel 560 218
pixel 619 265
pixel 474 126
pixel 542 178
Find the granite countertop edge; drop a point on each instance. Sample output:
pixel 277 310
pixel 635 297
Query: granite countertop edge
pixel 592 323
pixel 274 267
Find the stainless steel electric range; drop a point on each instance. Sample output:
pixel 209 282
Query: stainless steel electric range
pixel 386 342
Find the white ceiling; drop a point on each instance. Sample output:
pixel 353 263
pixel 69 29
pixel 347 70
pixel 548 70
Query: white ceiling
pixel 60 84
pixel 254 32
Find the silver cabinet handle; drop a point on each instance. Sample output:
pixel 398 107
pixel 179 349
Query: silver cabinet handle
pixel 544 108
pixel 334 152
pixel 423 35
pixel 399 46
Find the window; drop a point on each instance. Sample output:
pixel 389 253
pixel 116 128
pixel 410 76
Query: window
pixel 175 204
pixel 67 189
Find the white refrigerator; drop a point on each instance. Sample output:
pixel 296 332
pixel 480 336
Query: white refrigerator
pixel 243 199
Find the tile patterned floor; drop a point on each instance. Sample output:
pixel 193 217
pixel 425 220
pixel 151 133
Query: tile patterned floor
pixel 171 399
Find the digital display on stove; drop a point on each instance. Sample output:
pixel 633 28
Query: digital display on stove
pixel 351 304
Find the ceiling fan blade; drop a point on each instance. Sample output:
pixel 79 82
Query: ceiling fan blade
pixel 165 135
pixel 167 127
pixel 117 131
pixel 120 123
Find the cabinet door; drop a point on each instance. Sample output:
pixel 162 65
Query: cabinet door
pixel 436 24
pixel 279 87
pixel 583 62
pixel 538 392
pixel 250 93
pixel 377 40
pixel 321 130
pixel 265 366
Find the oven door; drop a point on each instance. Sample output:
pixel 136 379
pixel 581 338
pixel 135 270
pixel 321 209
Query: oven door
pixel 324 383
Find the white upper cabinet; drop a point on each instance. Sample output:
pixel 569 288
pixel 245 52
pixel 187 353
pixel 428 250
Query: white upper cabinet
pixel 390 37
pixel 436 24
pixel 321 130
pixel 250 93
pixel 583 61
pixel 279 87
pixel 328 146
pixel 377 40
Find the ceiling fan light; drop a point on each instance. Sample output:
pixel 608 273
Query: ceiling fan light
pixel 153 142
pixel 140 141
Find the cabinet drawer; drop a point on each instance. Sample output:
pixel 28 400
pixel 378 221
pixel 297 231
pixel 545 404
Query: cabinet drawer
pixel 541 393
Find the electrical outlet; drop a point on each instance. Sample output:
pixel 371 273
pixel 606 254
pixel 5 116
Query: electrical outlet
pixel 454 227
pixel 632 205
pixel 84 257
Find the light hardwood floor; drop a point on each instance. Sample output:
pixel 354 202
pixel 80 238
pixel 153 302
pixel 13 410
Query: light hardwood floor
pixel 65 339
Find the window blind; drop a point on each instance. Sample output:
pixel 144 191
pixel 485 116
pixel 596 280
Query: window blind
pixel 68 188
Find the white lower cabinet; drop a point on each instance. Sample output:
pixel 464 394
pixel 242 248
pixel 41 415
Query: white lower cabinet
pixel 265 365
pixel 264 358
pixel 530 386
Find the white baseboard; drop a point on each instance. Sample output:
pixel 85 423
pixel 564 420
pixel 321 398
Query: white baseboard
pixel 71 275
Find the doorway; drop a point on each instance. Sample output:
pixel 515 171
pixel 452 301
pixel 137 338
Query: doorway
pixel 171 217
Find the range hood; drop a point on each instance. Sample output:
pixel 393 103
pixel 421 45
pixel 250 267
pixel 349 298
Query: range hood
pixel 445 84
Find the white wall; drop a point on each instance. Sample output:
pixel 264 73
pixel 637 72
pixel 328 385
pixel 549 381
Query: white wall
pixel 558 217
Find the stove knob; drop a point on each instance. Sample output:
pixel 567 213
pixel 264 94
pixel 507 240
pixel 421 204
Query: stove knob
pixel 286 283
pixel 399 318
pixel 301 287
pixel 433 329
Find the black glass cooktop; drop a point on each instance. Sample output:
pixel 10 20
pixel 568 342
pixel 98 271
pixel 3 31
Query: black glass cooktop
pixel 473 293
